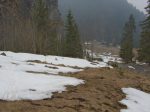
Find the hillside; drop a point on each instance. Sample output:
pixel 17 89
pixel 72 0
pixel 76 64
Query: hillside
pixel 46 66
pixel 139 4
pixel 18 28
pixel 103 89
pixel 102 20
pixel 25 76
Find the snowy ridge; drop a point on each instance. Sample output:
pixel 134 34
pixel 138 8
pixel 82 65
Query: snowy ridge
pixel 136 100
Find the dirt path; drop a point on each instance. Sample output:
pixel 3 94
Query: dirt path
pixel 101 93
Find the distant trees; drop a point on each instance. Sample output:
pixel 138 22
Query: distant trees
pixel 72 42
pixel 8 29
pixel 127 40
pixel 28 28
pixel 40 19
pixel 46 32
pixel 32 28
pixel 144 51
pixel 103 23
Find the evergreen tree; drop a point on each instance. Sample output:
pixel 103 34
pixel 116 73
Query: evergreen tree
pixel 144 51
pixel 40 24
pixel 127 40
pixel 72 44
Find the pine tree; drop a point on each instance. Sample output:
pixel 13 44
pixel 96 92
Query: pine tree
pixel 144 51
pixel 127 41
pixel 40 24
pixel 72 44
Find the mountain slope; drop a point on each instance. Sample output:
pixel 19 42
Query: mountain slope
pixel 139 4
pixel 102 20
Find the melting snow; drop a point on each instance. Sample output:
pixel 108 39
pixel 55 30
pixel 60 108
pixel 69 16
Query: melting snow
pixel 131 67
pixel 107 58
pixel 18 84
pixel 136 100
pixel 56 60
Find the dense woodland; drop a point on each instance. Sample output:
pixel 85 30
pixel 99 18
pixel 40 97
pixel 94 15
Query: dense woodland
pixel 144 51
pixel 35 26
pixel 27 26
pixel 126 51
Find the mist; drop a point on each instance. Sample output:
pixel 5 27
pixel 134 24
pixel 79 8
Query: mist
pixel 101 20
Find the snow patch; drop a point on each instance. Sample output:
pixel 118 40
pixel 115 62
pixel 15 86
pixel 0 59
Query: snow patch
pixel 18 84
pixel 25 76
pixel 56 60
pixel 108 58
pixel 27 86
pixel 136 100
pixel 131 67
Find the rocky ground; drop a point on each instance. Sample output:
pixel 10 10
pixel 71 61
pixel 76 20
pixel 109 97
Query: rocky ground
pixel 100 93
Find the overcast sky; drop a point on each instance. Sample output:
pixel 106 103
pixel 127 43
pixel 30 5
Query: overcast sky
pixel 139 4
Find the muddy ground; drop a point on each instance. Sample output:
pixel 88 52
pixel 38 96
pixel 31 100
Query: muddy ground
pixel 100 93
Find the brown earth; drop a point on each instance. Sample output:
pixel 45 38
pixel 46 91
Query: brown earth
pixel 100 93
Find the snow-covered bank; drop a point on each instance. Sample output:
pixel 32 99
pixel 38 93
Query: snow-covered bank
pixel 56 60
pixel 136 100
pixel 25 76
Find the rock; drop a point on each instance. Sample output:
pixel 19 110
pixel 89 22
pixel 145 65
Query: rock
pixel 3 54
pixel 113 64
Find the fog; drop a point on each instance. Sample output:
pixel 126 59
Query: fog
pixel 102 20
pixel 139 4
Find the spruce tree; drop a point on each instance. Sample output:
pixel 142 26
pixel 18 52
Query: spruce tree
pixel 127 40
pixel 144 51
pixel 72 44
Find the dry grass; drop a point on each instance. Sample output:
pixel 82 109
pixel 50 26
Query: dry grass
pixel 100 93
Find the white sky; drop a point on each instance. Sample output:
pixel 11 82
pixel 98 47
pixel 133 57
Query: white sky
pixel 139 4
